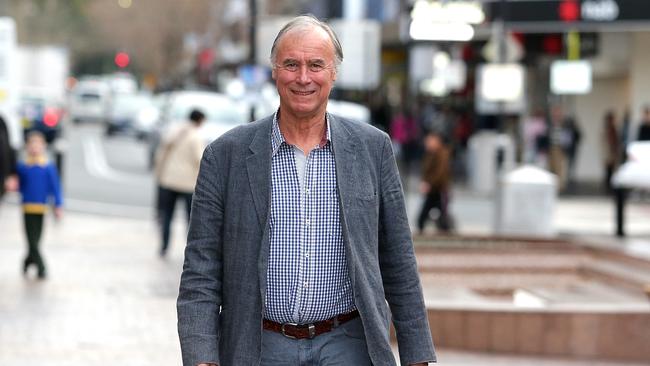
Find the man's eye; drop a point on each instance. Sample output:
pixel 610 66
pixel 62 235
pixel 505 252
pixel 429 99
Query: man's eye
pixel 291 66
pixel 316 67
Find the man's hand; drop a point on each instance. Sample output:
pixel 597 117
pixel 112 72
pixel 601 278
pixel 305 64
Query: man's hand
pixel 420 364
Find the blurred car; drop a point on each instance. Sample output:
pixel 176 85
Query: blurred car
pixel 121 82
pixel 38 112
pixel 89 100
pixel 635 172
pixel 267 105
pixel 148 116
pixel 222 114
pixel 125 110
pixel 353 111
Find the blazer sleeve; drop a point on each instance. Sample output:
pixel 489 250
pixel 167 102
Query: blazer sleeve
pixel 199 298
pixel 399 268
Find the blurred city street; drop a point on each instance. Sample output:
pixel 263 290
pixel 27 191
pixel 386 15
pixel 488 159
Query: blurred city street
pixel 521 129
pixel 110 299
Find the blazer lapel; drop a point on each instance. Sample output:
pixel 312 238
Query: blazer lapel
pixel 345 145
pixel 258 166
pixel 347 163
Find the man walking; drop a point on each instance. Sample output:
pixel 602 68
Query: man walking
pixel 299 240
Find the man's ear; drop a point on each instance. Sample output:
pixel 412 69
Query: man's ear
pixel 273 73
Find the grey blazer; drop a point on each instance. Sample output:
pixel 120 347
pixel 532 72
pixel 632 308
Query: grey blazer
pixel 223 283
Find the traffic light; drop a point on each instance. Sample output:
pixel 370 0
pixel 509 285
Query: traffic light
pixel 122 59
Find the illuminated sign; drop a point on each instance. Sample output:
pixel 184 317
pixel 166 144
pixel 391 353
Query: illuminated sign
pixel 448 12
pixel 501 82
pixel 590 10
pixel 571 77
pixel 600 10
pixel 445 21
pixel 570 11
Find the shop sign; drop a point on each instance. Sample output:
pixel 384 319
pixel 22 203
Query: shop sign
pixel 573 11
pixel 600 10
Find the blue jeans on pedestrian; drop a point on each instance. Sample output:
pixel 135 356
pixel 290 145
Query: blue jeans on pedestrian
pixel 343 346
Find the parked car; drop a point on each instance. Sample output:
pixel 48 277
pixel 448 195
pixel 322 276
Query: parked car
pixel 148 116
pixel 89 100
pixel 353 111
pixel 124 111
pixel 40 112
pixel 121 83
pixel 267 106
pixel 222 114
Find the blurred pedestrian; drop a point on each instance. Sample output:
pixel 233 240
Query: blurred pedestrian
pixel 559 141
pixel 380 110
pixel 7 161
pixel 624 136
pixel 574 135
pixel 39 182
pixel 178 159
pixel 404 133
pixel 610 149
pixel 644 129
pixel 435 182
pixel 533 131
pixel 299 235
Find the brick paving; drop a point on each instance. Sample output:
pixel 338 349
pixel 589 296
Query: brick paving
pixel 110 299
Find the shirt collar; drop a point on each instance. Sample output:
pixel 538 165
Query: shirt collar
pixel 277 138
pixel 36 160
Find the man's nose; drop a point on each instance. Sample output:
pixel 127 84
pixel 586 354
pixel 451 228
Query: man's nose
pixel 303 74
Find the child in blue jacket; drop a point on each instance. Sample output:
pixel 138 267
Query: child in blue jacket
pixel 38 182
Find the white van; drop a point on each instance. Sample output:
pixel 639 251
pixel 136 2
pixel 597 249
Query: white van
pixel 89 101
pixel 9 95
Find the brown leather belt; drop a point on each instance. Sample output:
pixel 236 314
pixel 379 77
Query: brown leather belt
pixel 308 331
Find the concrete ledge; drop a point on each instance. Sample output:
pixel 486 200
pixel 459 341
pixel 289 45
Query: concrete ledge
pixel 536 297
pixel 596 335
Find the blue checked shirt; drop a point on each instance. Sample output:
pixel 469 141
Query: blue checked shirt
pixel 307 279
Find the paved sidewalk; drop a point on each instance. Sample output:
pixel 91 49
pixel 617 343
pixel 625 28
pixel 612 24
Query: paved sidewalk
pixel 587 219
pixel 110 300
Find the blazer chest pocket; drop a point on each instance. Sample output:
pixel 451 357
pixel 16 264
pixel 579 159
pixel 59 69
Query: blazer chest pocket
pixel 366 199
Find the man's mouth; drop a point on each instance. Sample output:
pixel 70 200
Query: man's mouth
pixel 302 92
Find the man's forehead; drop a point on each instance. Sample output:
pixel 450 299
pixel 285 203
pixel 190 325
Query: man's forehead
pixel 295 58
pixel 317 38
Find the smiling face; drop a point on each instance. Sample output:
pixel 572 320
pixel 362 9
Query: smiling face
pixel 304 72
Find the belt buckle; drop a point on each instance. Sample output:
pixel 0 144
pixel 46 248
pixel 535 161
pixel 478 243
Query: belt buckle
pixel 310 327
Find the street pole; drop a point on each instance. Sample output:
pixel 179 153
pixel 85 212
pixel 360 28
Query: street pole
pixel 501 56
pixel 253 29
pixel 252 39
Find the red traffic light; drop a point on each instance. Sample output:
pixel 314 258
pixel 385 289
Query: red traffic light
pixel 122 59
pixel 569 10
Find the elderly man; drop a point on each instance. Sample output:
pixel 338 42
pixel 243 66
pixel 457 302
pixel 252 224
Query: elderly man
pixel 299 240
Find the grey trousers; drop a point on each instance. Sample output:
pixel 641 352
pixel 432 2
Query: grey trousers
pixel 344 346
